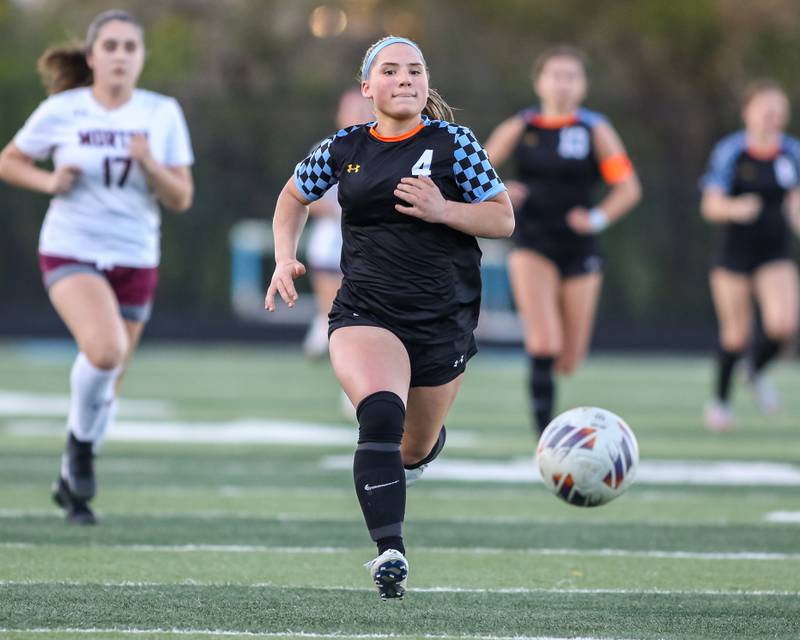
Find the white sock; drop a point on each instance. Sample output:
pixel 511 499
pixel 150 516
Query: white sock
pixel 110 411
pixel 92 399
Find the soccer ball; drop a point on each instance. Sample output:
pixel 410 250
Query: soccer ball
pixel 588 456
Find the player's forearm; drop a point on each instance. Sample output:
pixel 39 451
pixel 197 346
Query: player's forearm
pixel 715 208
pixel 622 198
pixel 503 140
pixel 174 191
pixel 287 225
pixel 490 219
pixel 22 173
pixel 718 208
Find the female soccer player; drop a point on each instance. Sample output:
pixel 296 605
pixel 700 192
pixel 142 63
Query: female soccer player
pixel 325 241
pixel 561 151
pixel 415 190
pixel 752 191
pixel 118 151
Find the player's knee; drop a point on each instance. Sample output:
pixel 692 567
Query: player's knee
pixel 539 345
pixel 568 362
pixel 381 416
pixel 567 365
pixel 734 340
pixel 107 353
pixel 780 329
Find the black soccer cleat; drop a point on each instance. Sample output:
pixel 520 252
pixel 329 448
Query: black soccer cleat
pixel 77 468
pixel 77 510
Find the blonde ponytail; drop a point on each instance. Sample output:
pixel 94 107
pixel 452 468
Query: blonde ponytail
pixel 437 108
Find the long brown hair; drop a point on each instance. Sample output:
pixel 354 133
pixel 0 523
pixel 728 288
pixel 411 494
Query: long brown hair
pixel 435 107
pixel 64 67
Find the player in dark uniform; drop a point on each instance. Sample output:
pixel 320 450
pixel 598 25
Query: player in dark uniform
pixel 561 152
pixel 751 190
pixel 415 190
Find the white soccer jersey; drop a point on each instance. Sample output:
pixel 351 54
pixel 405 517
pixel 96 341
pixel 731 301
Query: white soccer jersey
pixel 110 217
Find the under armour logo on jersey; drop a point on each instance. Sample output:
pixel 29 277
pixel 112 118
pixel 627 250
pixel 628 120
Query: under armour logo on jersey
pixel 353 168
pixel 458 362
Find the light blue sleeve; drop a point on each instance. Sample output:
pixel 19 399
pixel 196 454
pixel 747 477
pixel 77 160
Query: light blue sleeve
pixel 721 165
pixel 472 170
pixel 315 175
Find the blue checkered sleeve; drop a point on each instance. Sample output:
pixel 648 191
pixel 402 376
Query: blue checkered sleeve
pixel 472 170
pixel 315 175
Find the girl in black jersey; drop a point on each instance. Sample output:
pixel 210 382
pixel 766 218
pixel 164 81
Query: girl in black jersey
pixel 415 190
pixel 751 190
pixel 561 152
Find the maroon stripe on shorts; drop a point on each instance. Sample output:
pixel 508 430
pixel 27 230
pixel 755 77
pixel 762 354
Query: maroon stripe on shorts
pixel 132 286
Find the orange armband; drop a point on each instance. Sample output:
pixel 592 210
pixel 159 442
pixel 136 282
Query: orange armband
pixel 616 168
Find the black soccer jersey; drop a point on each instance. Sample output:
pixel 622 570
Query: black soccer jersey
pixel 420 280
pixel 736 170
pixel 559 167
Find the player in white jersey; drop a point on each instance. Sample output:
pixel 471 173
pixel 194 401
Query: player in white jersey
pixel 325 240
pixel 118 152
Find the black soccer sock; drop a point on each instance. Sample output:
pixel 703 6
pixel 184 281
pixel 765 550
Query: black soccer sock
pixel 726 360
pixel 434 453
pixel 378 468
pixel 541 387
pixel 765 352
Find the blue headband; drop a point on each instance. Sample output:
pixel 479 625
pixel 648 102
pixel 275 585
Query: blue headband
pixel 393 40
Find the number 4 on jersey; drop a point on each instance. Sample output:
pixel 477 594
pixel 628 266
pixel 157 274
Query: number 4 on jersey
pixel 422 167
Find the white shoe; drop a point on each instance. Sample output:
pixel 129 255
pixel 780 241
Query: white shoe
pixel 389 572
pixel 718 416
pixel 412 475
pixel 315 344
pixel 767 397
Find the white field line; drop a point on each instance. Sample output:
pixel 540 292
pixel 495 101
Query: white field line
pixel 515 470
pixel 491 492
pixel 285 634
pixel 242 431
pixel 23 403
pixel 11 514
pixel 650 472
pixel 439 589
pixel 467 551
pixel 55 512
pixel 783 517
pixel 452 492
pixel 228 490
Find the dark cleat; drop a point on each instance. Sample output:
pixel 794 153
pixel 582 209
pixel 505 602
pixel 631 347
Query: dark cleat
pixel 77 510
pixel 77 468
